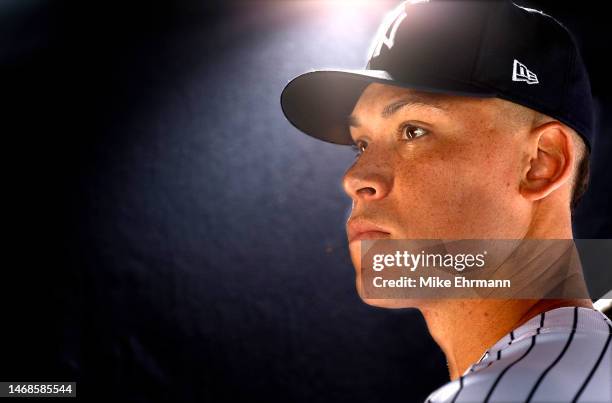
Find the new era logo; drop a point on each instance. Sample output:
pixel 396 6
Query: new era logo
pixel 520 72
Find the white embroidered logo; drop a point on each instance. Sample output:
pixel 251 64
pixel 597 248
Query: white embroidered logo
pixel 389 40
pixel 520 72
pixel 388 28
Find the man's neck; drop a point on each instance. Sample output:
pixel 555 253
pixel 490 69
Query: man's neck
pixel 465 328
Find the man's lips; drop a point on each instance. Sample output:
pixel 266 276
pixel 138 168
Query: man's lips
pixel 358 229
pixel 368 235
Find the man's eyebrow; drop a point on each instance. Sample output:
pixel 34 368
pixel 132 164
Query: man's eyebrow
pixel 414 101
pixel 421 101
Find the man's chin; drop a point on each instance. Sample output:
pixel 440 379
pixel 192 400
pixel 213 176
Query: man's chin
pixel 391 303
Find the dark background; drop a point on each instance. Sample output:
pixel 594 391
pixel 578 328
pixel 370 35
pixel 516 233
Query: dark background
pixel 170 237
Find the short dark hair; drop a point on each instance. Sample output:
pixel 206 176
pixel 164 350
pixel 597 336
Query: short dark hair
pixel 581 182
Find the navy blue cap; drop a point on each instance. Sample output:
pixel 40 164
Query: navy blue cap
pixel 479 48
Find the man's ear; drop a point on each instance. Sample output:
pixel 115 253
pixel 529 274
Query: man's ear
pixel 550 161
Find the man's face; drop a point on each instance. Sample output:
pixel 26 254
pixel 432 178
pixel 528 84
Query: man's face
pixel 445 171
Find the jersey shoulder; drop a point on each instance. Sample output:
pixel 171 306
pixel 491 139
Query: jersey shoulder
pixel 549 366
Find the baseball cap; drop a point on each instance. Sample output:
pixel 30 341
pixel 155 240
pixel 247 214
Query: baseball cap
pixel 478 48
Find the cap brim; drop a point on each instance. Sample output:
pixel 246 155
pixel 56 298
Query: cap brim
pixel 319 102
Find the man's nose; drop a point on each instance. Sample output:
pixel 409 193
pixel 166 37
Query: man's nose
pixel 367 181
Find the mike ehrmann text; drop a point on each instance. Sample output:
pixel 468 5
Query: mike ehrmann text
pixel 437 282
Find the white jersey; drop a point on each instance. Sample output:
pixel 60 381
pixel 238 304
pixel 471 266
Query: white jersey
pixel 563 355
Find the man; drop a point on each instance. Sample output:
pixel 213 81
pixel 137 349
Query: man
pixel 472 120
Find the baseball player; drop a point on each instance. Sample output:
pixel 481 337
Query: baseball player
pixel 472 120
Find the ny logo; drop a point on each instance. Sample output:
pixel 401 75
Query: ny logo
pixel 389 26
pixel 388 29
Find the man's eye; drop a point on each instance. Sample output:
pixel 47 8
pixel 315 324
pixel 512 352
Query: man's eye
pixel 359 147
pixel 409 132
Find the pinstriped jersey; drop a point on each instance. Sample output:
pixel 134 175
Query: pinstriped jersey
pixel 562 355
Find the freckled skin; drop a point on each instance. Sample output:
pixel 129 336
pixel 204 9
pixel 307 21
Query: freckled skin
pixel 460 180
pixel 476 174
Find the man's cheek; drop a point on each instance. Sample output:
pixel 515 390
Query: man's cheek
pixel 438 195
pixel 426 185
